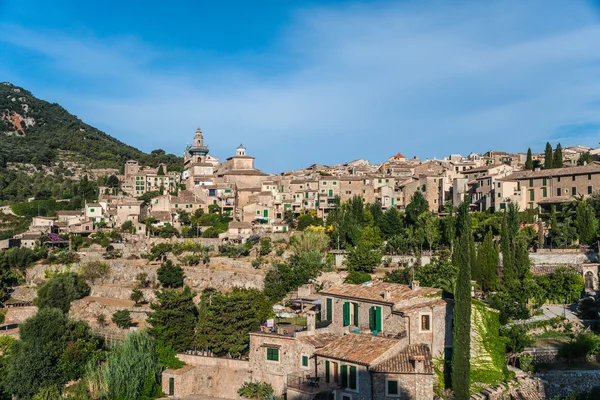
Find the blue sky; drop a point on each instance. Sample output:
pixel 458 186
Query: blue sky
pixel 302 82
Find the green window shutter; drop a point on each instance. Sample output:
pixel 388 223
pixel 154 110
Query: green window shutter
pixel 272 354
pixel 356 314
pixel 353 378
pixel 171 386
pixel 392 387
pixel 327 371
pixel 330 192
pixel 371 319
pixel 344 376
pixel 266 213
pixel 305 361
pixel 329 310
pixel 378 319
pixel 346 313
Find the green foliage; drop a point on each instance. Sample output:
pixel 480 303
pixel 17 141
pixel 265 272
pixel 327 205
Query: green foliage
pixel 137 296
pixel 132 370
pixel 529 161
pixel 174 318
pixel 439 273
pixel 586 223
pixel 401 275
pixel 307 219
pixel 226 319
pixel 417 206
pixel 585 344
pixel 122 318
pixel 462 308
pixel 48 393
pixel 557 161
pixel 548 157
pixel 167 356
pixel 364 257
pixel 485 270
pixel 563 285
pixel 265 246
pixel 517 338
pixel 52 350
pixel 93 270
pixel 61 290
pixel 357 277
pixel 170 275
pixel 256 390
pixel 585 158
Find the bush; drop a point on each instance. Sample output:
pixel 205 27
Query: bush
pixel 265 246
pixel 256 390
pixel 122 318
pixel 170 275
pixel 61 290
pixel 516 338
pixel 142 279
pixel 357 277
pixel 94 270
pixel 137 296
pixel 584 345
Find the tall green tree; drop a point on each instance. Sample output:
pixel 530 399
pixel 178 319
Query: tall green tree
pixel 417 206
pixel 558 157
pixel 462 307
pixel 61 290
pixel 487 264
pixel 548 157
pixel 585 158
pixel 587 224
pixel 173 318
pixel 529 161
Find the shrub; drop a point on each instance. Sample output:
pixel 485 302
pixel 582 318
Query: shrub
pixel 122 318
pixel 357 277
pixel 137 296
pixel 265 246
pixel 61 290
pixel 142 279
pixel 94 270
pixel 101 320
pixel 256 390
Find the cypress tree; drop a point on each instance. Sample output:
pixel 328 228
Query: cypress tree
pixel 529 162
pixel 505 248
pixel 587 224
pixel 487 261
pixel 548 157
pixel 462 307
pixel 558 158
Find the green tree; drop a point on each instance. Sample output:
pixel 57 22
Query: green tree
pixel 462 308
pixel 170 275
pixel 112 181
pixel 61 290
pixel 173 318
pixel 122 318
pixel 417 206
pixel 137 296
pixel 557 162
pixel 548 157
pixel 53 349
pixel 364 258
pixel 93 270
pixel 587 224
pixel 226 319
pixel 161 171
pixel 487 264
pixel 428 225
pixel 265 246
pixel 585 158
pixel 529 161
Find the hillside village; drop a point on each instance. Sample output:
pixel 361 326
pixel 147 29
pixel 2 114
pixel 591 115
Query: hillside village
pixel 330 282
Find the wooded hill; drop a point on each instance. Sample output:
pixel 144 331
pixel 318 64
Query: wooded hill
pixel 34 130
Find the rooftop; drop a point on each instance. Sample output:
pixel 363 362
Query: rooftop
pixel 374 291
pixel 592 168
pixel 357 348
pixel 403 362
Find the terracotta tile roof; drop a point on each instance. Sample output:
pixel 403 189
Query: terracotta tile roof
pixel 403 362
pixel 162 216
pixel 318 341
pixel 556 199
pixel 399 155
pixel 417 304
pixel 239 225
pixel 592 168
pixel 481 169
pixel 375 292
pixel 358 348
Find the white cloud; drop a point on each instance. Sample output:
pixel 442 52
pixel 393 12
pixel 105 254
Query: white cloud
pixel 360 81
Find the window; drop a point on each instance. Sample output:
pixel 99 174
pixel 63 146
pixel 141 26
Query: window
pixel 544 182
pixel 91 210
pixel 355 314
pixel 272 354
pixel 498 184
pixel 375 318
pixel 573 191
pixel 379 180
pixel 349 377
pixel 324 183
pixel 502 206
pixel 257 212
pixel 589 177
pixel 346 313
pixel 573 178
pixel 531 195
pixel 391 388
pixel 558 192
pixel 424 188
pixel 589 190
pixel 329 309
pixel 558 179
pixel 499 195
pixel 334 182
pixel 530 182
pixel 425 322
pixel 544 192
pixel 305 361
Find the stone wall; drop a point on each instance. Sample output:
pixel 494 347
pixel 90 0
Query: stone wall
pixel 557 257
pixel 561 383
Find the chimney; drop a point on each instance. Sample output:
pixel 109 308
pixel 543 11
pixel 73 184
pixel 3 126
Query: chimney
pixel 387 294
pixel 414 285
pixel 310 321
pixel 417 362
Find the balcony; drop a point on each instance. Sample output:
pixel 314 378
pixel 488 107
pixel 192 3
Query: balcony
pixel 310 384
